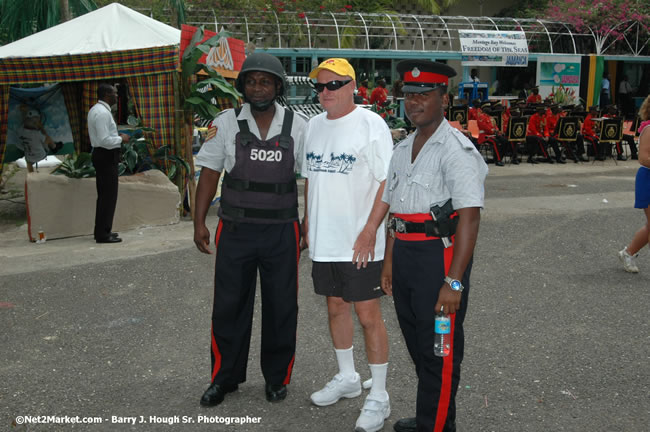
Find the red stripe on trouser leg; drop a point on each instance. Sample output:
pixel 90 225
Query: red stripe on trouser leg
pixel 447 362
pixel 541 146
pixel 217 235
pixel 215 349
pixel 287 379
pixel 217 356
pixel 296 227
pixel 592 140
pixel 496 150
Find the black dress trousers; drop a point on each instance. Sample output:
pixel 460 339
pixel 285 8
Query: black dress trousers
pixel 106 169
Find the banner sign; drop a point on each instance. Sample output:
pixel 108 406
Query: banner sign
pixel 226 58
pixel 38 124
pixel 560 76
pixel 555 72
pixel 493 48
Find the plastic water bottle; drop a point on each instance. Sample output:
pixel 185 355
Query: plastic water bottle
pixel 41 236
pixel 443 330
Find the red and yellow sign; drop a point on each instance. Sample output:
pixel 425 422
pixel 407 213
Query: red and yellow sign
pixel 226 58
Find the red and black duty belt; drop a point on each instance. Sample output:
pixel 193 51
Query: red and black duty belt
pixel 414 226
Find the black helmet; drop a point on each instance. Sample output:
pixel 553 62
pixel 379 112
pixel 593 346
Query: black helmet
pixel 261 62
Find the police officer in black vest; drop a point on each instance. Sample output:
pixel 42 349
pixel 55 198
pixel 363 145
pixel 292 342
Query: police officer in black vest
pixel 256 148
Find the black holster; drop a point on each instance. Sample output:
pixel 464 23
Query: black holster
pixel 443 220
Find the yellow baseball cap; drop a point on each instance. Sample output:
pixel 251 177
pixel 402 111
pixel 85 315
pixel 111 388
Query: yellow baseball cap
pixel 339 66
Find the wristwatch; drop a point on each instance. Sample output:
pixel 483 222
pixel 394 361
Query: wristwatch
pixel 454 284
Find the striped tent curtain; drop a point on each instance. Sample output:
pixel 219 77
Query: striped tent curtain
pixel 4 117
pixel 72 93
pixel 153 97
pixel 95 66
pixel 88 99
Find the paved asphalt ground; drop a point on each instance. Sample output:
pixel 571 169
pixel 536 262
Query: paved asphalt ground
pixel 557 332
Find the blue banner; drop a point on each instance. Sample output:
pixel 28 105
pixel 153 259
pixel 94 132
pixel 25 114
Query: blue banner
pixel 38 124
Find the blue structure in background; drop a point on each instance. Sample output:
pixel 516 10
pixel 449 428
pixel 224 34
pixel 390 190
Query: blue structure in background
pixel 473 90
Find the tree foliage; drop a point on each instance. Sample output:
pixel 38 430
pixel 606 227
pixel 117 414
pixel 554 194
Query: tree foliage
pixel 601 16
pixel 19 19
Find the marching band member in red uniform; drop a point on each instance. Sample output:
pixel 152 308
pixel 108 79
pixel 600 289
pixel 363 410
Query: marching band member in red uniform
pixel 612 112
pixel 535 97
pixel 490 133
pixel 589 133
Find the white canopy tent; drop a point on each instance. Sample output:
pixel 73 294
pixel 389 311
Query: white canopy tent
pixel 111 28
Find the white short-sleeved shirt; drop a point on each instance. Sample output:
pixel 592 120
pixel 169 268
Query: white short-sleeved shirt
pixel 448 166
pixel 218 153
pixel 345 161
pixel 102 129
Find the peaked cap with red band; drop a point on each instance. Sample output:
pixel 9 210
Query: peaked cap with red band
pixel 422 76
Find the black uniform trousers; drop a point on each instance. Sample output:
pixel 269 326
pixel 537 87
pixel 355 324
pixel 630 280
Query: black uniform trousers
pixel 630 142
pixel 533 143
pixel 419 269
pixel 243 249
pixel 106 170
pixel 500 146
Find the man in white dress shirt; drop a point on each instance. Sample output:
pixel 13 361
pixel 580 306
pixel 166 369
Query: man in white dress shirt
pixel 106 143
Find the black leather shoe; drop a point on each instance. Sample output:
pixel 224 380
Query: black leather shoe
pixel 109 240
pixel 115 235
pixel 560 161
pixel 214 395
pixel 405 425
pixel 583 158
pixel 531 160
pixel 409 425
pixel 275 392
pixel 621 157
pixel 499 163
pixel 515 161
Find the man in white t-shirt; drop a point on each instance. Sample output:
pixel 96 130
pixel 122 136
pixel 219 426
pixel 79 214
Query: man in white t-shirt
pixel 346 157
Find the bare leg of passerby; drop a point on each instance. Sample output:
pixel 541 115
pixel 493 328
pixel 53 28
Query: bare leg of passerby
pixel 374 330
pixel 376 407
pixel 642 236
pixel 340 321
pixel 346 383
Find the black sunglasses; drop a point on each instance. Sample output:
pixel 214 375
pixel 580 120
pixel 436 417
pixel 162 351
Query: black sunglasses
pixel 331 86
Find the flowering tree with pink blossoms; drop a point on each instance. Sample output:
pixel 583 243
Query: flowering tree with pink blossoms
pixel 609 21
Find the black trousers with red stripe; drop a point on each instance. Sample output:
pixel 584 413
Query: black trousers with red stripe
pixel 419 269
pixel 242 250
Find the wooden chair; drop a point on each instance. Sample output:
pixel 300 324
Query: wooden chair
pixel 472 127
pixel 457 125
pixel 474 131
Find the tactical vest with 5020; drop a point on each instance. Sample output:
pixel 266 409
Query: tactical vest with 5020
pixel 261 187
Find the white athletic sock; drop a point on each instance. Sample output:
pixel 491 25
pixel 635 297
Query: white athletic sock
pixel 378 372
pixel 345 359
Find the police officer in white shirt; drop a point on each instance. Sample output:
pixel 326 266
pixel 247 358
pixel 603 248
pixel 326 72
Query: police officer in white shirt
pixel 435 189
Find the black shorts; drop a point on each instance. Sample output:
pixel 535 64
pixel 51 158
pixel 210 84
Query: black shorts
pixel 342 279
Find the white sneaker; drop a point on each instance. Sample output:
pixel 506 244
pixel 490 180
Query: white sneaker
pixel 339 387
pixel 373 414
pixel 628 261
